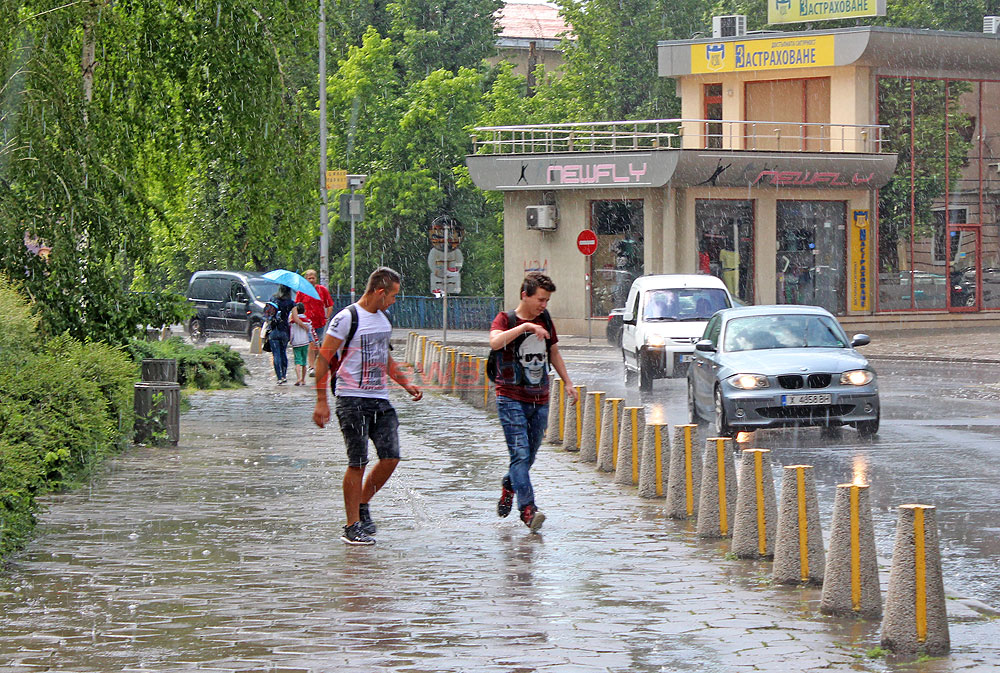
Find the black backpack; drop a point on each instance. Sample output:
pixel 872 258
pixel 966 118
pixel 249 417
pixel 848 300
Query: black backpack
pixel 513 372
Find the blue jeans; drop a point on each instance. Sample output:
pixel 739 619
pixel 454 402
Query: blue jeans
pixel 279 343
pixel 523 427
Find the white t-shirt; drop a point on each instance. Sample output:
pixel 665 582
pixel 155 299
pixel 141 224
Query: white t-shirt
pixel 364 367
pixel 300 335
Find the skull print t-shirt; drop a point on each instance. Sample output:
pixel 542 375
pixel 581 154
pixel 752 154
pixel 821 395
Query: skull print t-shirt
pixel 364 367
pixel 532 354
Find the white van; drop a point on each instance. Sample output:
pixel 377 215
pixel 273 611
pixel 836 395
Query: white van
pixel 664 316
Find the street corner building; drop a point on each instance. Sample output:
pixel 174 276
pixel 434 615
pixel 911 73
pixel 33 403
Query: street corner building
pixel 853 169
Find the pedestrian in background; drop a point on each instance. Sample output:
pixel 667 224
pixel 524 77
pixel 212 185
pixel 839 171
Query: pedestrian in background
pixel 278 334
pixel 363 408
pixel 527 341
pixel 302 336
pixel 317 311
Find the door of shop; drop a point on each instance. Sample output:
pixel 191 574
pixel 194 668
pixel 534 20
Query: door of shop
pixel 811 251
pixel 964 259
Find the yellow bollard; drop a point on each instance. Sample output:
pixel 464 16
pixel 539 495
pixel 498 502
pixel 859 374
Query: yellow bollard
pixel 684 482
pixel 916 620
pixel 850 585
pixel 717 501
pixel 607 449
pixel 629 438
pixel 798 548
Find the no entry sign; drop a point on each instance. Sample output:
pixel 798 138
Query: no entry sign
pixel 586 242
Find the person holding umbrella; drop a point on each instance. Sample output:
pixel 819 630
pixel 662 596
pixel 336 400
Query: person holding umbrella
pixel 280 331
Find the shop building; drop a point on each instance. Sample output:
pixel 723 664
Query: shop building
pixel 854 169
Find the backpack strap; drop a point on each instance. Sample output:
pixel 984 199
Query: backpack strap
pixel 354 328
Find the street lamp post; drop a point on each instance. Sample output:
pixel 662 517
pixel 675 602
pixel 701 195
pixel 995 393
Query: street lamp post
pixel 324 216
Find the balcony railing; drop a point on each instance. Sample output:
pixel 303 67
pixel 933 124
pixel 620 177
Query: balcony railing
pixel 653 134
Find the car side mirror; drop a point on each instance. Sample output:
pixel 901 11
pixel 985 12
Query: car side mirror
pixel 705 346
pixel 860 340
pixel 628 319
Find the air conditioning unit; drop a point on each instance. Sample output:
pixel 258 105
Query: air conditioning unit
pixel 732 25
pixel 542 218
pixel 991 24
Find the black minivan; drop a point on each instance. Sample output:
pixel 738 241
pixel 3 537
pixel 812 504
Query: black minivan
pixel 227 302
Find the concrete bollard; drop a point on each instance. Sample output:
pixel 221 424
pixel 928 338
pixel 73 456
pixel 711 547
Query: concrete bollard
pixel 756 508
pixel 591 426
pixel 421 353
pixel 684 481
pixel 574 421
pixel 491 398
pixel 629 446
pixel 654 463
pixel 485 386
pixel 442 367
pixel 408 348
pixel 607 450
pixel 717 499
pixel 474 393
pixel 798 548
pixel 555 411
pixel 433 369
pixel 255 342
pixel 916 620
pixel 850 586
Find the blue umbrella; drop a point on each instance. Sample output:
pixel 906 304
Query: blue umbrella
pixel 292 280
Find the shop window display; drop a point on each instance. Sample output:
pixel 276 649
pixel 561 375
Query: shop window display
pixel 724 230
pixel 619 256
pixel 811 253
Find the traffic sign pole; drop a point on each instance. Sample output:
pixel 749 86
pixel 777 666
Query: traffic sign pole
pixel 586 243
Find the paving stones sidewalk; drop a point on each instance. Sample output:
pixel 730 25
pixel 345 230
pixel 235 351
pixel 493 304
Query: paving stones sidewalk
pixel 223 554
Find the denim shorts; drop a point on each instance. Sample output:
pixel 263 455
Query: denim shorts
pixel 364 418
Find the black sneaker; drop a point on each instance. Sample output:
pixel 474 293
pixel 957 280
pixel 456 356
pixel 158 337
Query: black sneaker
pixel 354 535
pixel 506 498
pixel 367 525
pixel 532 518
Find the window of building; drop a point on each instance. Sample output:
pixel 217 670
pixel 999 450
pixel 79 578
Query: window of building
pixel 724 229
pixel 713 110
pixel 812 249
pixel 619 256
pixel 943 252
pixel 788 114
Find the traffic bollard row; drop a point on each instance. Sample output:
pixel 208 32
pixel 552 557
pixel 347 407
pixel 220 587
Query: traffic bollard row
pixel 704 486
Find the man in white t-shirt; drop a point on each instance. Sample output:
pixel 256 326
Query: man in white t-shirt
pixel 363 407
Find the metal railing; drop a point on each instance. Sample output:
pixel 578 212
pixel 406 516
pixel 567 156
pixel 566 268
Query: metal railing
pixel 654 134
pixel 417 312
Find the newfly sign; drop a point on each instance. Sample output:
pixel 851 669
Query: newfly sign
pixel 800 11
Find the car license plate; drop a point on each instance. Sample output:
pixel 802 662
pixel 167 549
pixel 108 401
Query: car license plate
pixel 685 357
pixel 803 400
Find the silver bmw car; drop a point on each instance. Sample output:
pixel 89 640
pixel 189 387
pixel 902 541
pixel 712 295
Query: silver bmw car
pixel 772 366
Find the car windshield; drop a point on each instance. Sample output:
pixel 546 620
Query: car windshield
pixel 762 332
pixel 684 304
pixel 262 289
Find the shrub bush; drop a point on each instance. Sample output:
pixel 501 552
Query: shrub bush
pixel 214 366
pixel 64 407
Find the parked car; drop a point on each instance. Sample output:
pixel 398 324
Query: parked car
pixel 664 316
pixel 614 329
pixel 227 302
pixel 773 366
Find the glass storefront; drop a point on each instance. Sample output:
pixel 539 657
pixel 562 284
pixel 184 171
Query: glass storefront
pixel 938 242
pixel 619 256
pixel 724 230
pixel 811 253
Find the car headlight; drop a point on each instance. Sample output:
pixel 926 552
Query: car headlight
pixel 748 381
pixel 655 340
pixel 857 377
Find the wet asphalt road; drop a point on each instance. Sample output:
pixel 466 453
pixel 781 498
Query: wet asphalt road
pixel 222 553
pixel 939 444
